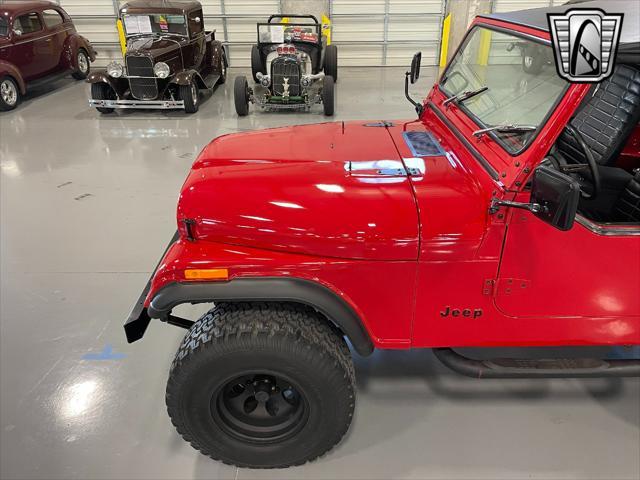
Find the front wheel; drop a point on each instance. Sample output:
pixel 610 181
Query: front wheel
pixel 241 95
pixel 256 63
pixel 223 67
pixel 102 91
pixel 328 96
pixel 189 95
pixel 262 385
pixel 331 62
pixel 9 93
pixel 84 65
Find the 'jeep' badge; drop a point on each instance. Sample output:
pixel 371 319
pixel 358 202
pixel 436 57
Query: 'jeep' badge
pixel 585 43
pixel 461 312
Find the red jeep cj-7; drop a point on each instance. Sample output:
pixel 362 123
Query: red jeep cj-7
pixel 506 215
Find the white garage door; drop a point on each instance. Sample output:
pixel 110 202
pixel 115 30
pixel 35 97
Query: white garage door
pixel 367 32
pixel 96 20
pixel 512 5
pixel 386 32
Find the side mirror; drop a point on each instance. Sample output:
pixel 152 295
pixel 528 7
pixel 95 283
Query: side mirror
pixel 414 74
pixel 17 32
pixel 554 198
pixel 197 19
pixel 558 196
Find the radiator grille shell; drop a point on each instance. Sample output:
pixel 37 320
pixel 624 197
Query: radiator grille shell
pixel 141 88
pixel 289 68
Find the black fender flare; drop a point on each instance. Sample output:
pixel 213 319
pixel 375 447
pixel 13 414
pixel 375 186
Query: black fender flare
pixel 270 289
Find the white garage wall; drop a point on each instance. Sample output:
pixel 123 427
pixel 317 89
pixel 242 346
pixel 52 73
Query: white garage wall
pixel 386 32
pixel 96 20
pixel 367 32
pixel 512 5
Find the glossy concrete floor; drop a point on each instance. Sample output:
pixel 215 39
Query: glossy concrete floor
pixel 87 205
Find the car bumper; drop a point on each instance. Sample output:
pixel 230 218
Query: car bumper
pixel 155 104
pixel 139 319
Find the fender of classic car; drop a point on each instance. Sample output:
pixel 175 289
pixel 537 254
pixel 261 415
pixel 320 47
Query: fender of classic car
pixel 9 69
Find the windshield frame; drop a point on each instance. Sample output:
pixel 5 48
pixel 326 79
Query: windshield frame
pixel 503 144
pixel 8 25
pixel 133 35
pixel 316 26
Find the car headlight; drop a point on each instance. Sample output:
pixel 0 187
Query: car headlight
pixel 115 70
pixel 265 81
pixel 161 70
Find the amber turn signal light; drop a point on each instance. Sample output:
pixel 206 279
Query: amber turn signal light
pixel 207 274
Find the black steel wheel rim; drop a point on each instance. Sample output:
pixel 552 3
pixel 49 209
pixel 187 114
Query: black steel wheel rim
pixel 260 407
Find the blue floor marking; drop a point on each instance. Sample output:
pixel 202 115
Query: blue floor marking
pixel 105 354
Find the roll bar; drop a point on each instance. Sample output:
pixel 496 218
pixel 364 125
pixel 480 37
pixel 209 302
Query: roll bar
pixel 283 15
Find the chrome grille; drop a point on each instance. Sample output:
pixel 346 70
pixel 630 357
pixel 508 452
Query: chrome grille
pixel 142 88
pixel 285 67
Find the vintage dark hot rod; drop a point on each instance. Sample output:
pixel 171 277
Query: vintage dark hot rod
pixel 169 58
pixel 292 66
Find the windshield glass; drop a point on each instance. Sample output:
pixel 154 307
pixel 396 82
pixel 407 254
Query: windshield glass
pixel 4 27
pixel 161 23
pixel 521 80
pixel 281 33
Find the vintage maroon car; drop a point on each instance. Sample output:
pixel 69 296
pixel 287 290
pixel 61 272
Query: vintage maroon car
pixel 169 58
pixel 506 215
pixel 38 41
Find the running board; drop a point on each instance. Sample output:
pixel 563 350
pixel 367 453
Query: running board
pixel 537 368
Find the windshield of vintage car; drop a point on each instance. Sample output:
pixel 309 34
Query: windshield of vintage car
pixel 288 32
pixel 521 80
pixel 155 24
pixel 4 27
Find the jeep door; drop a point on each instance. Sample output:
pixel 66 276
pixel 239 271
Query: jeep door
pixel 194 54
pixel 578 284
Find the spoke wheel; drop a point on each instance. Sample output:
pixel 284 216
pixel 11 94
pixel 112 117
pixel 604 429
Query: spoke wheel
pixel 9 92
pixel 260 407
pixel 84 65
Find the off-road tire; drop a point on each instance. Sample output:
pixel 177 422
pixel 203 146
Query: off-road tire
pixel 331 62
pixel 79 74
pixel 241 95
pixel 191 101
pixel 286 339
pixel 14 89
pixel 256 63
pixel 328 96
pixel 102 91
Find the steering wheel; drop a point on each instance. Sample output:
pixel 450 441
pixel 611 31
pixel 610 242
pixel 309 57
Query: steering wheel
pixel 589 187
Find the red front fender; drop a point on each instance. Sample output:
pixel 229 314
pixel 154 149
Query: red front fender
pixel 9 69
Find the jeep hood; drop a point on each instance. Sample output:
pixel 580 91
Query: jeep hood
pixel 334 189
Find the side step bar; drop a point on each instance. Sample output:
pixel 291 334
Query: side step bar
pixel 537 368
